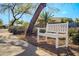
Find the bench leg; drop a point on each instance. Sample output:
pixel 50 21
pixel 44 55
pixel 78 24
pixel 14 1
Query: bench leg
pixel 57 47
pixel 37 38
pixel 46 38
pixel 56 42
pixel 66 42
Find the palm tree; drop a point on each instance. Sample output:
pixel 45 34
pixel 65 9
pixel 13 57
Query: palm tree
pixel 45 17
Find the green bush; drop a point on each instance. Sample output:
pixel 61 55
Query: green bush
pixel 72 31
pixel 74 35
pixel 17 29
pixel 75 38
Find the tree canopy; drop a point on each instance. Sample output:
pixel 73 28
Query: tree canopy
pixel 17 10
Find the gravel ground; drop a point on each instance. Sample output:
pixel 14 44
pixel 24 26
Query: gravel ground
pixel 10 50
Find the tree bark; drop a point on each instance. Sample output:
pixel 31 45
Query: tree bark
pixel 13 22
pixel 34 18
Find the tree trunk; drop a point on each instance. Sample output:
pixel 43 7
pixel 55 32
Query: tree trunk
pixel 13 22
pixel 31 25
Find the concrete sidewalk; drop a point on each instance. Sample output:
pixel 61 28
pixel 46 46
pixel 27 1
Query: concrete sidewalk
pixel 32 50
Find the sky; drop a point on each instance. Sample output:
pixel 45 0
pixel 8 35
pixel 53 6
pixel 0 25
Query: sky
pixel 70 10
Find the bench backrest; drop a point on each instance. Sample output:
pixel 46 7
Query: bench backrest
pixel 60 27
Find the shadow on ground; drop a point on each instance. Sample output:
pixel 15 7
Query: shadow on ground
pixel 29 51
pixel 50 48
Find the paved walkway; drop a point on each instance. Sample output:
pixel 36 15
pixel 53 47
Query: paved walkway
pixel 32 50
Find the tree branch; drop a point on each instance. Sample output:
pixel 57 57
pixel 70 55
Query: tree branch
pixel 13 14
pixel 17 14
pixel 20 15
pixel 14 6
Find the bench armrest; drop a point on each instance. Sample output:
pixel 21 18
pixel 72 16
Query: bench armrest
pixel 41 28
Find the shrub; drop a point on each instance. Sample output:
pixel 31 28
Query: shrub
pixel 75 38
pixel 72 31
pixel 17 29
pixel 74 35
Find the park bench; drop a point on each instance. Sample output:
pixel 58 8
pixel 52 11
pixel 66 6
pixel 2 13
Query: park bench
pixel 58 30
